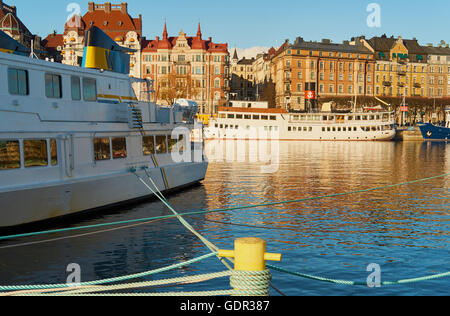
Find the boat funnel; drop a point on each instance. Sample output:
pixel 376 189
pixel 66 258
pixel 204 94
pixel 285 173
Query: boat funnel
pixel 10 45
pixel 101 52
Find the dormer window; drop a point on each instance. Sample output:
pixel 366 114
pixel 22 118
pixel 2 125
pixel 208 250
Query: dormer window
pixel 120 23
pixel 105 23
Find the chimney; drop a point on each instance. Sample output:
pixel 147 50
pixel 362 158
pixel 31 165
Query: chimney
pixel 91 6
pixel 108 7
pixel 124 8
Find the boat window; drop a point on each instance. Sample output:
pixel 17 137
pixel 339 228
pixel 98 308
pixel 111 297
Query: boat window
pixel 75 88
pixel 9 154
pixel 119 147
pixel 102 149
pixel 239 116
pixel 323 129
pixel 53 86
pixel 89 90
pixel 331 118
pixel 231 116
pixel 355 129
pixel 35 153
pixel 364 118
pixel 173 144
pixel 303 118
pixel 310 129
pixel 325 118
pixel 295 117
pixel 18 81
pixel 289 129
pixel 247 117
pixel 148 145
pixel 53 152
pixel 161 144
pixel 358 118
pixel 264 117
pixel 350 118
pixel 222 116
pixel 273 118
pixel 294 129
pixel 256 117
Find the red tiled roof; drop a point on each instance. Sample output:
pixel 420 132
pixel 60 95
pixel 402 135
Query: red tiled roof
pixel 116 23
pixel 8 16
pixel 52 41
pixel 194 43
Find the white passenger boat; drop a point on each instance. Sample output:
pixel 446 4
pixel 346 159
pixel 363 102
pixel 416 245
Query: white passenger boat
pixel 255 121
pixel 69 136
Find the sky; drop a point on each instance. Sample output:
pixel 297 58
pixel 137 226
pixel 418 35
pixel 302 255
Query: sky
pixel 264 23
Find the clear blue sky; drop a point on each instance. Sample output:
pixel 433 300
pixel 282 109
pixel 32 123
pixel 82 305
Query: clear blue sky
pixel 248 23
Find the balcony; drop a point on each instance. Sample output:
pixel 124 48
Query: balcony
pixel 401 73
pixel 417 85
pixel 401 84
pixel 387 83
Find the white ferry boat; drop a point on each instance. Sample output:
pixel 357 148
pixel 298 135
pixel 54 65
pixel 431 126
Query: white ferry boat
pixel 69 136
pixel 256 121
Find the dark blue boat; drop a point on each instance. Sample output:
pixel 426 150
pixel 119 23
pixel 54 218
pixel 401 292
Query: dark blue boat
pixel 432 132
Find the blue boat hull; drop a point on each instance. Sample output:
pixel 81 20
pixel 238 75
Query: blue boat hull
pixel 432 132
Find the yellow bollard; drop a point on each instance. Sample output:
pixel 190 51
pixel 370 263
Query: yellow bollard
pixel 250 256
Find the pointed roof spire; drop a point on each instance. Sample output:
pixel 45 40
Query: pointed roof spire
pixel 199 32
pixel 165 34
pixel 235 56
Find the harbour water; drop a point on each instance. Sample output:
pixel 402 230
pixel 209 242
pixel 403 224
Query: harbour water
pixel 405 230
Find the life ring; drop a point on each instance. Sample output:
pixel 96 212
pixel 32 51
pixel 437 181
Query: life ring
pixel 429 133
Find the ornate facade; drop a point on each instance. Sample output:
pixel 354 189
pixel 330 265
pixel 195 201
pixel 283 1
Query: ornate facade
pixel 114 20
pixel 187 67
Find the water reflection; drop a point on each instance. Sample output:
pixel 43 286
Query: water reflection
pixel 403 229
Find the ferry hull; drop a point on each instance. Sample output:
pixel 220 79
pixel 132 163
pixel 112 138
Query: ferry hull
pixel 432 132
pixel 40 203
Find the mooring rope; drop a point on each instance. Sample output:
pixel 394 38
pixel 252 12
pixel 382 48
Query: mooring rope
pixel 161 197
pixel 107 281
pixel 126 286
pixel 346 282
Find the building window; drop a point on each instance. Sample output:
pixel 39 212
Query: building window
pixel 53 86
pixel 89 90
pixel 9 154
pixel 119 147
pixel 35 153
pixel 18 81
pixel 75 88
pixel 102 149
